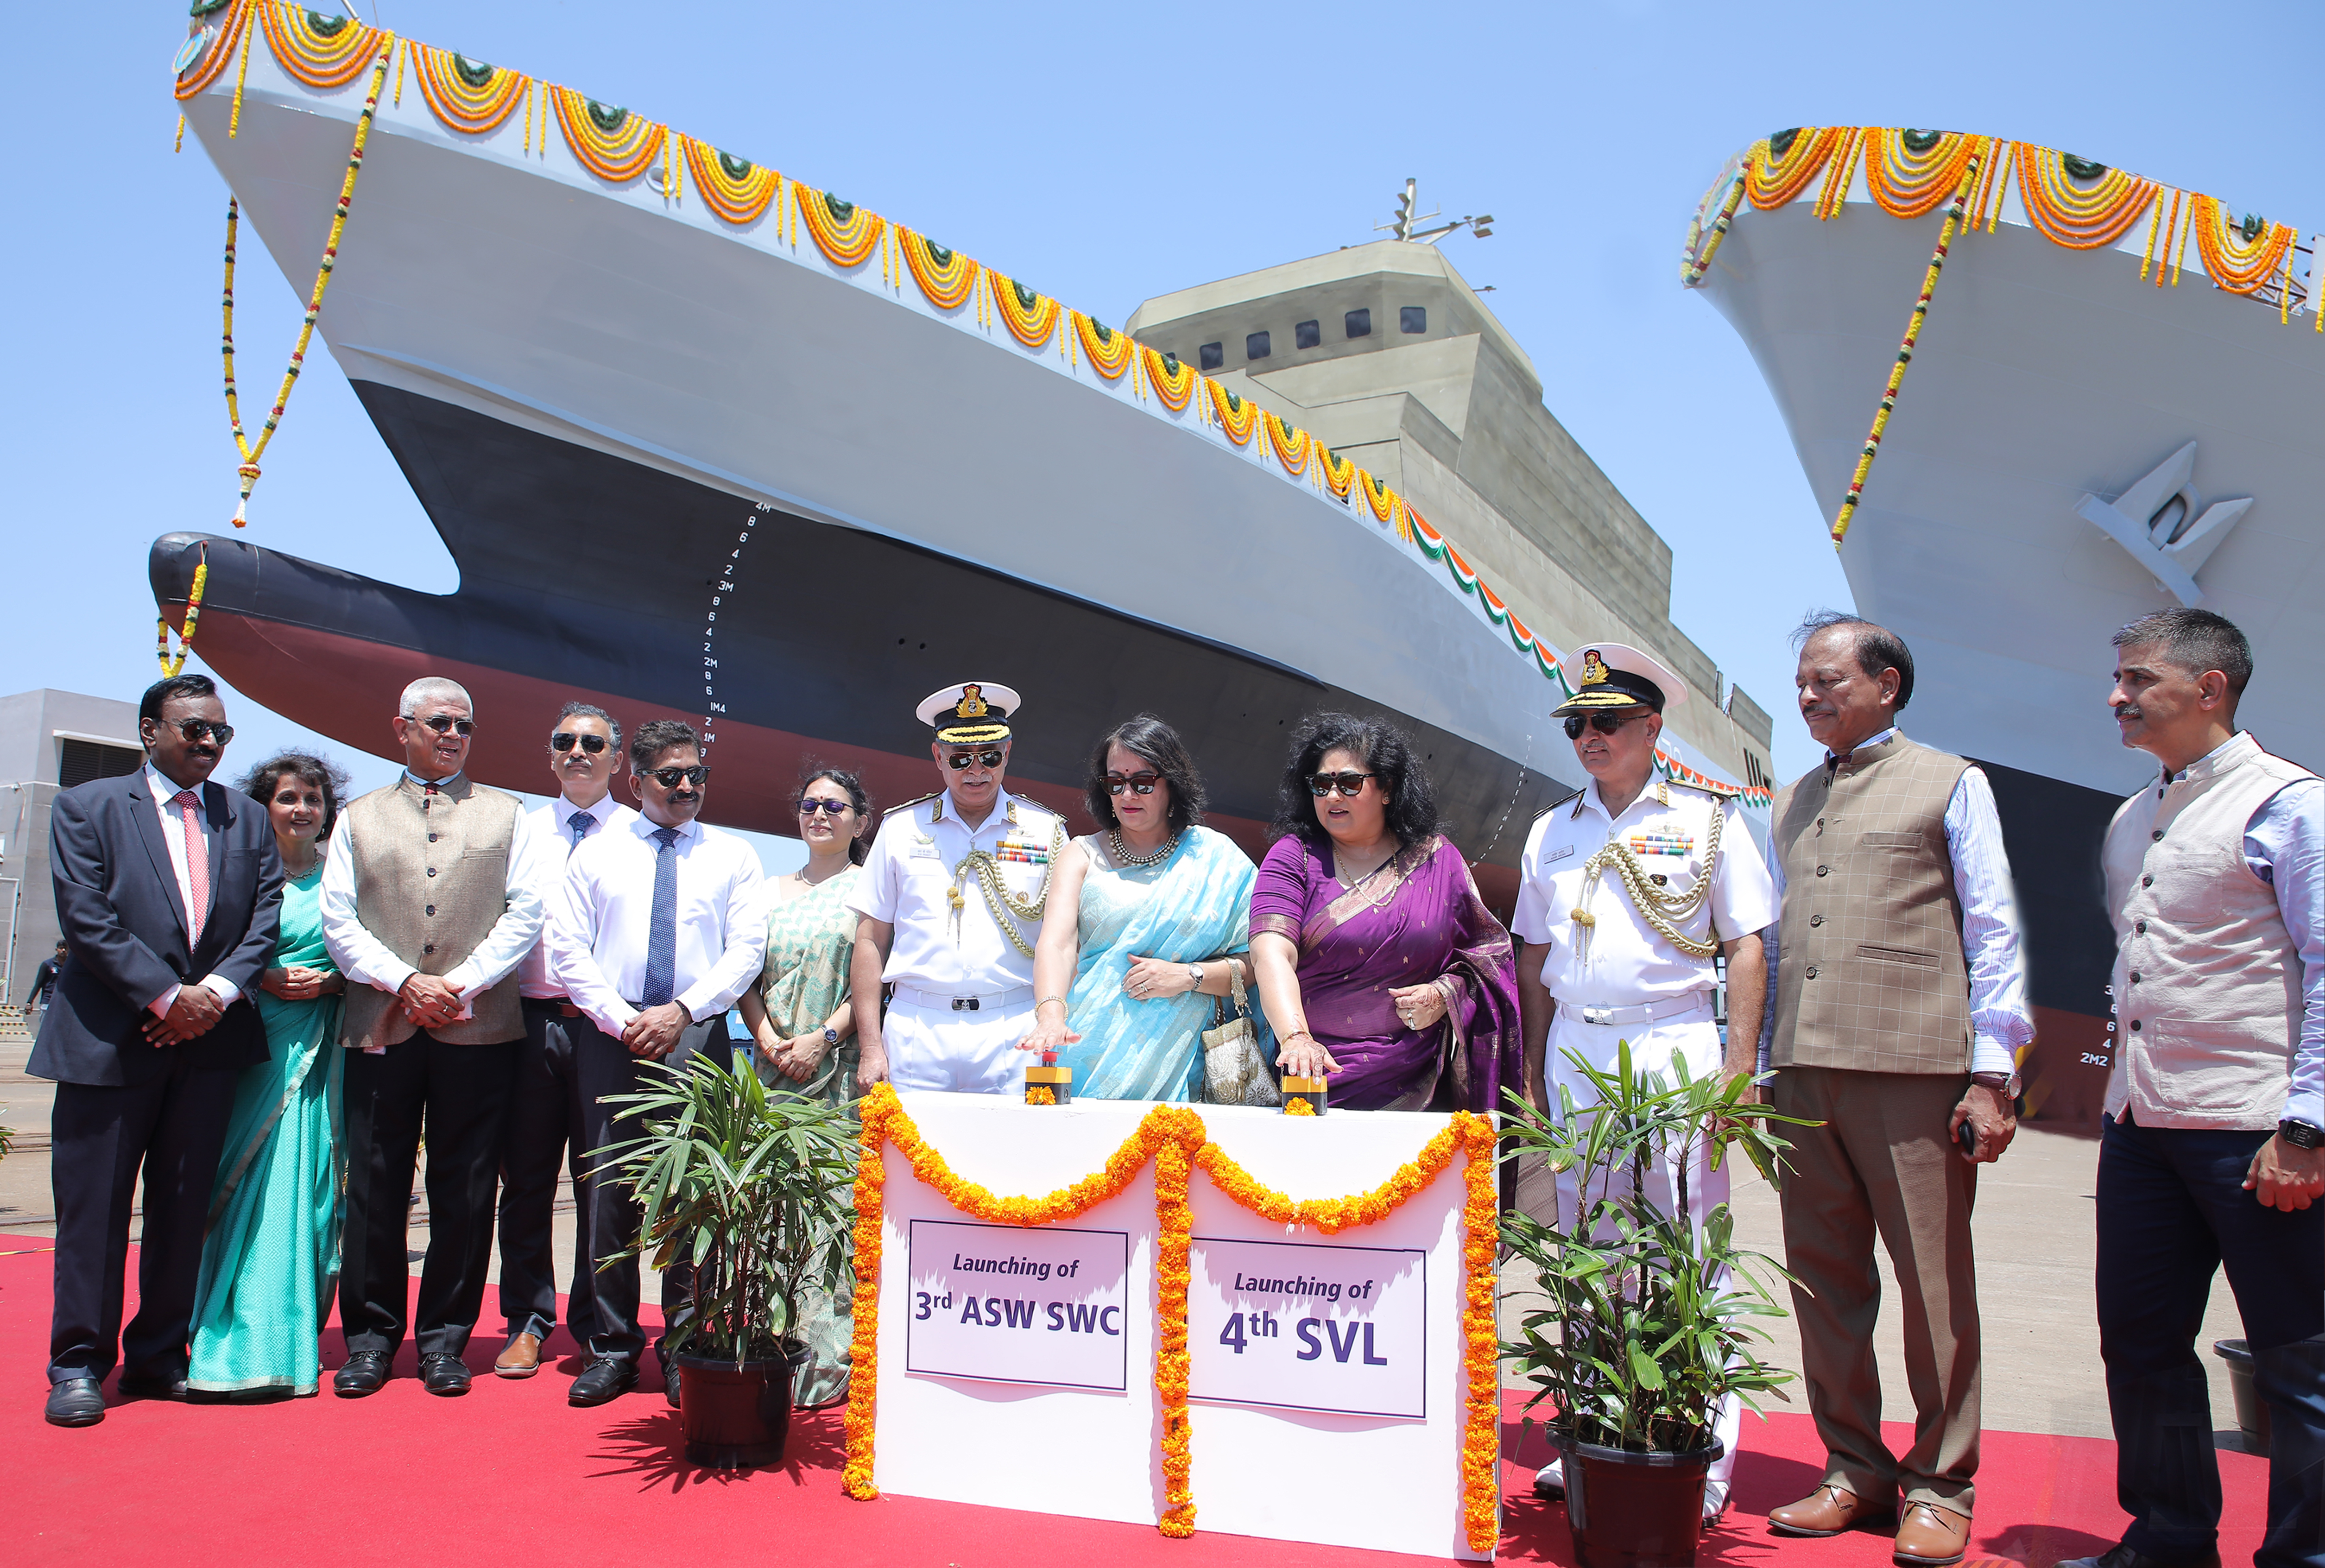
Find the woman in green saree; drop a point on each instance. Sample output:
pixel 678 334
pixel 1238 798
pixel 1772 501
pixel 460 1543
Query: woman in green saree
pixel 271 1259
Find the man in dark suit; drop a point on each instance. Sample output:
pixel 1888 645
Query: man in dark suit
pixel 169 888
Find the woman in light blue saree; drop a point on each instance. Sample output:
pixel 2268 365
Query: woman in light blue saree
pixel 1147 927
pixel 270 1258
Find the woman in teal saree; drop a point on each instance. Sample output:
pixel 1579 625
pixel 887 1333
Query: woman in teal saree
pixel 270 1258
pixel 1145 928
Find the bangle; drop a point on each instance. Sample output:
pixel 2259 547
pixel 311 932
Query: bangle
pixel 1045 1001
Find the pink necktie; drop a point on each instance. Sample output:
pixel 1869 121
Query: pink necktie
pixel 197 864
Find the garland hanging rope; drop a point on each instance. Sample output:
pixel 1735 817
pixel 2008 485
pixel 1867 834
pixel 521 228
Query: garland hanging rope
pixel 469 95
pixel 1905 353
pixel 1175 1139
pixel 171 665
pixel 253 451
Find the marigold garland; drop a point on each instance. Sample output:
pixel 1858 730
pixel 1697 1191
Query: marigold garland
pixel 469 95
pixel 846 233
pixel 1173 380
pixel 1237 416
pixel 1175 1139
pixel 735 188
pixel 1774 176
pixel 1336 471
pixel 2067 214
pixel 1039 1094
pixel 1291 446
pixel 1110 352
pixel 1910 181
pixel 613 143
pixel 2238 264
pixel 947 277
pixel 318 50
pixel 205 70
pixel 1031 318
pixel 1377 495
pixel 1295 1106
pixel 171 667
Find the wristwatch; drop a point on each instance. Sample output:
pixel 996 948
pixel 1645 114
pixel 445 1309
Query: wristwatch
pixel 1195 977
pixel 831 1036
pixel 2005 1084
pixel 2300 1135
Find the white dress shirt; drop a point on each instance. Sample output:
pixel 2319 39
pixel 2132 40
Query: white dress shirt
pixel 604 913
pixel 1993 948
pixel 365 959
pixel 554 824
pixel 173 834
pixel 908 876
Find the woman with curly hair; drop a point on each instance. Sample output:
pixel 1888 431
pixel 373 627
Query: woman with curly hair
pixel 271 1259
pixel 1380 968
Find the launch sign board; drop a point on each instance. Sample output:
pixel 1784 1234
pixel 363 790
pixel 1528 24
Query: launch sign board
pixel 1308 1326
pixel 1016 1305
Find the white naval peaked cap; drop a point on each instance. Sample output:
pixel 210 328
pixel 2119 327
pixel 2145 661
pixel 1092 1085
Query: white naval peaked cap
pixel 970 714
pixel 1618 675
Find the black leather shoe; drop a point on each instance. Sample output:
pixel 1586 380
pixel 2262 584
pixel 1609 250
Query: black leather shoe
pixel 605 1378
pixel 669 1382
pixel 364 1372
pixel 153 1386
pixel 75 1401
pixel 442 1372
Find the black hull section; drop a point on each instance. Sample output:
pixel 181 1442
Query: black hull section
pixel 591 575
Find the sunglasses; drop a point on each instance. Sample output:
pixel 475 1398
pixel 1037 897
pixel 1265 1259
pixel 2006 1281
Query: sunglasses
pixel 194 730
pixel 445 724
pixel 1138 784
pixel 1604 723
pixel 828 808
pixel 962 759
pixel 565 741
pixel 1350 784
pixel 670 778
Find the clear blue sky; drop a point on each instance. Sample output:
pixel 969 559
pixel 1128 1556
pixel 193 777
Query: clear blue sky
pixel 1107 154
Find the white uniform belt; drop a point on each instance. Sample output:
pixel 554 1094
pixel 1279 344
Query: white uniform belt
pixel 1642 1013
pixel 991 1001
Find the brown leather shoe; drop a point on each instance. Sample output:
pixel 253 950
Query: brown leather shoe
pixel 1930 1536
pixel 1826 1511
pixel 521 1359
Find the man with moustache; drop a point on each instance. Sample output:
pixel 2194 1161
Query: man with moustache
pixel 430 898
pixel 2210 1153
pixel 167 889
pixel 1626 894
pixel 547 1113
pixel 952 895
pixel 658 925
pixel 1899 1005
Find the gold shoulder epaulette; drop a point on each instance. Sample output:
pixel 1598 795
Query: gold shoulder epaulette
pixel 1718 789
pixel 908 805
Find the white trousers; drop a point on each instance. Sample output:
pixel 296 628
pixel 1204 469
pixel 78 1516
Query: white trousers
pixel 1693 1038
pixel 965 1052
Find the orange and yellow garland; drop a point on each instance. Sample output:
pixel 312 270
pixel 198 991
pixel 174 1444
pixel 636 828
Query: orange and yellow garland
pixel 2239 265
pixel 1237 416
pixel 467 95
pixel 317 51
pixel 1175 1139
pixel 1336 471
pixel 1291 446
pixel 947 277
pixel 2070 216
pixel 613 143
pixel 1907 183
pixel 1774 179
pixel 846 233
pixel 736 188
pixel 1110 352
pixel 1172 380
pixel 223 43
pixel 1031 318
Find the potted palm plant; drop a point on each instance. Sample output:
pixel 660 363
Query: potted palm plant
pixel 1649 1322
pixel 756 1190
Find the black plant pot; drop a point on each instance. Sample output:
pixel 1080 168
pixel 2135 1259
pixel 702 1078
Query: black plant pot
pixel 736 1417
pixel 1635 1510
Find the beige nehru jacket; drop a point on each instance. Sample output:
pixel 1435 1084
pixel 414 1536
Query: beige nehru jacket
pixel 2207 978
pixel 431 901
pixel 1870 974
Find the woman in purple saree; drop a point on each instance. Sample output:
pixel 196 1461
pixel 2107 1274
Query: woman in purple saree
pixel 1379 966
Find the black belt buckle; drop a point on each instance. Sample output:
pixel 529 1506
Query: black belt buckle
pixel 964 1004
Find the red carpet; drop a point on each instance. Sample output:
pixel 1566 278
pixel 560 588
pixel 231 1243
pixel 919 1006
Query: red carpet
pixel 511 1476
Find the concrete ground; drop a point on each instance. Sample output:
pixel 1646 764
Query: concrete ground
pixel 2035 1253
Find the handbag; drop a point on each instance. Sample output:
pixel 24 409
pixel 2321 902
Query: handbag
pixel 1234 1072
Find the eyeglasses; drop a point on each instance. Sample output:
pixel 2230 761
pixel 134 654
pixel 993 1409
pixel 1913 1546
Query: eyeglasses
pixel 445 724
pixel 194 730
pixel 670 778
pixel 828 808
pixel 1604 723
pixel 962 759
pixel 564 741
pixel 1138 784
pixel 1350 784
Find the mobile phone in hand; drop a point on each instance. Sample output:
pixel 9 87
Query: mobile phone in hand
pixel 1966 1134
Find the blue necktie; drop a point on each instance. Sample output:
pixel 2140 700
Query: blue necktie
pixel 661 931
pixel 580 823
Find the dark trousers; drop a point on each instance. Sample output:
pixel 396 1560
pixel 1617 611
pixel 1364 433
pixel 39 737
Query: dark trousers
pixel 172 1127
pixel 2171 1210
pixel 546 1119
pixel 609 1216
pixel 459 1095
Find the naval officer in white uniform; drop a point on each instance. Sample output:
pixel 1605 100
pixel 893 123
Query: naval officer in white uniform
pixel 1625 894
pixel 951 899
